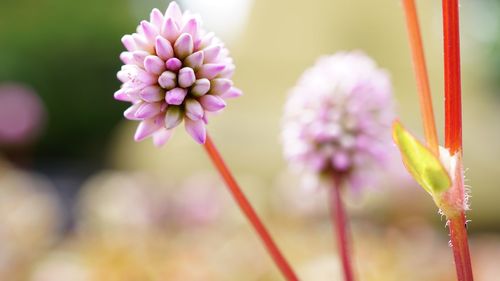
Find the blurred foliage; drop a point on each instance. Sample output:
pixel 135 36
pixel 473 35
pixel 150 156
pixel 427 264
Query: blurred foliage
pixel 70 57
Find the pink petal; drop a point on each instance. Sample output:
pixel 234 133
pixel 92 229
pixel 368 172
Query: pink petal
pixel 232 93
pixel 131 111
pixel 145 129
pixel 184 46
pixel 129 43
pixel 147 110
pixel 194 111
pixel 194 60
pixel 150 31
pixel 173 117
pixel 170 30
pixel 127 58
pixel 146 78
pixel 154 64
pixel 209 70
pixel 191 27
pixel 133 93
pixel 121 95
pixel 139 57
pixel 176 96
pixel 207 40
pixel 211 53
pixel 196 129
pixel 167 80
pixel 220 85
pixel 161 137
pixel 173 64
pixel 228 71
pixel 156 18
pixel 163 48
pixel 212 103
pixel 174 12
pixel 142 43
pixel 201 87
pixel 186 77
pixel 152 94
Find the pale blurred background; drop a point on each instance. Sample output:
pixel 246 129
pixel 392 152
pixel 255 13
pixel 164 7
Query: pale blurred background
pixel 79 200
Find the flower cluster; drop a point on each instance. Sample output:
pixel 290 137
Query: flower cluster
pixel 337 118
pixel 174 71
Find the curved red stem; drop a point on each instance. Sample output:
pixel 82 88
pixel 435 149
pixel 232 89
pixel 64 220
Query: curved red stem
pixel 249 212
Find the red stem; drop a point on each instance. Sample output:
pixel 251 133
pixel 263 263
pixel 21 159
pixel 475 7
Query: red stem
pixel 248 210
pixel 453 97
pixel 453 128
pixel 339 220
pixel 460 245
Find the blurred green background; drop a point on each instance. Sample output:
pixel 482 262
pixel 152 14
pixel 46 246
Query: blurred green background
pixel 67 52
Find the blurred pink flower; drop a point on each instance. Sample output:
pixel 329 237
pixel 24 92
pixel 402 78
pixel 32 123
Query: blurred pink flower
pixel 337 118
pixel 21 114
pixel 199 202
pixel 174 71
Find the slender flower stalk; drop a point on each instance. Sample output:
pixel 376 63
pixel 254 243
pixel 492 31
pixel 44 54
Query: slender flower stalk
pixel 424 91
pixel 342 229
pixel 248 210
pixel 453 131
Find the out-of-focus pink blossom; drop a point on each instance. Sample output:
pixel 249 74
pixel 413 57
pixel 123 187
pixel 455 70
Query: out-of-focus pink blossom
pixel 199 202
pixel 337 118
pixel 174 71
pixel 21 114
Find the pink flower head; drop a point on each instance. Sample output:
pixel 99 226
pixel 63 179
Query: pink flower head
pixel 174 71
pixel 338 116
